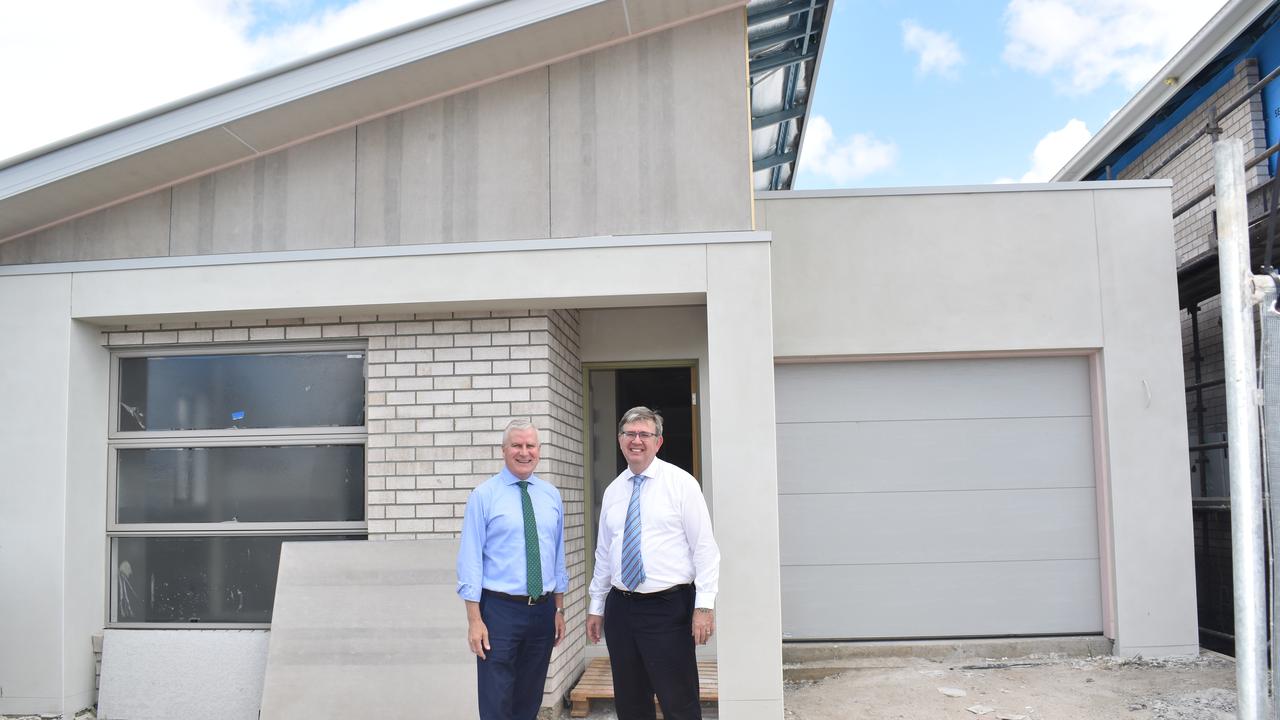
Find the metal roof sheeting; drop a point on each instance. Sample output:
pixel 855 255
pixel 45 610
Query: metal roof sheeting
pixel 784 46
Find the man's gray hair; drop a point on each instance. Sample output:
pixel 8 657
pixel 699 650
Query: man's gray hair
pixel 641 412
pixel 518 424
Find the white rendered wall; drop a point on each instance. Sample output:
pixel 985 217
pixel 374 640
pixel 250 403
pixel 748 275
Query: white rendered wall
pixel 743 448
pixel 1085 269
pixel 49 536
pixel 1146 426
pixel 86 499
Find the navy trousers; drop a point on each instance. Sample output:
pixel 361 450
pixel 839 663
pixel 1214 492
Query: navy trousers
pixel 510 680
pixel 651 650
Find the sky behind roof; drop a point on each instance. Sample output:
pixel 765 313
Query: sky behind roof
pixel 910 92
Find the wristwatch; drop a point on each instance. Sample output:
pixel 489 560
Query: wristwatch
pixel 560 610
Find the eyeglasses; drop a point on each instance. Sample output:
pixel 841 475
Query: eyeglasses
pixel 637 435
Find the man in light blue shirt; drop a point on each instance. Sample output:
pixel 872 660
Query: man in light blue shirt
pixel 512 578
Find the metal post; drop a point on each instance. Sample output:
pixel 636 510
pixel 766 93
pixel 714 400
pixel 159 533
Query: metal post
pixel 1271 447
pixel 1242 430
pixel 1197 361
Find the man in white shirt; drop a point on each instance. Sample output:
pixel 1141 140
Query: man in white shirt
pixel 657 571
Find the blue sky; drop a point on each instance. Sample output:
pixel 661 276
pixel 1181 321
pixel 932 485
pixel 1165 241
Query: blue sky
pixel 963 92
pixel 911 92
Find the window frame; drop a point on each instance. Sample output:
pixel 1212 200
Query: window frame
pixel 237 437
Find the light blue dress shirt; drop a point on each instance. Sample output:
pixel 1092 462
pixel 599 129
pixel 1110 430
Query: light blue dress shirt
pixel 492 553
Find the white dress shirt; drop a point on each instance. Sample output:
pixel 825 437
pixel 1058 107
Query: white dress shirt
pixel 675 536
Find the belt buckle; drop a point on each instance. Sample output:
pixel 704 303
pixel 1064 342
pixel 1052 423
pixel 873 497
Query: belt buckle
pixel 533 600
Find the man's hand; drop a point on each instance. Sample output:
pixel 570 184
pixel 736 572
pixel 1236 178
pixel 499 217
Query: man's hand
pixel 559 626
pixel 477 637
pixel 595 623
pixel 704 625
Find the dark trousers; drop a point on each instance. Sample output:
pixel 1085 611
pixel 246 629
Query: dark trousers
pixel 651 651
pixel 510 680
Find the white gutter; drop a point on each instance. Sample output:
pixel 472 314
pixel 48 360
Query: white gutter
pixel 1204 46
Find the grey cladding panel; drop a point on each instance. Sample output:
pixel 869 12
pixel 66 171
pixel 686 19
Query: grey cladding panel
pixel 469 167
pixel 369 629
pixel 914 390
pixel 650 136
pixel 294 199
pixel 190 674
pixel 914 455
pixel 893 601
pixel 933 527
pixel 138 228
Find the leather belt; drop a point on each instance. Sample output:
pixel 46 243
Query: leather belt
pixel 523 599
pixel 640 596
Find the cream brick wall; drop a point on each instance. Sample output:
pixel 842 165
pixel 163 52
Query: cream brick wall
pixel 441 387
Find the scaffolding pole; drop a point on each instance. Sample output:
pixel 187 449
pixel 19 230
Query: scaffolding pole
pixel 1271 455
pixel 1243 459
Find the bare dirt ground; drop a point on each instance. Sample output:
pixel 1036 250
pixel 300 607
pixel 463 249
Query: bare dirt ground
pixel 1035 687
pixel 1032 687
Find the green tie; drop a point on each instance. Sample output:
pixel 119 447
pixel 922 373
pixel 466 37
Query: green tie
pixel 532 556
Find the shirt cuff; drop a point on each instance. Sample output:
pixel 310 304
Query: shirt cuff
pixel 469 592
pixel 705 600
pixel 597 605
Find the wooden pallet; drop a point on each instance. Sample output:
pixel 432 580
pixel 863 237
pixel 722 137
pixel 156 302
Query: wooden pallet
pixel 597 684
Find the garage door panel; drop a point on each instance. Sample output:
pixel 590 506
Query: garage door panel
pixel 932 527
pixel 938 498
pixel 935 454
pixel 893 601
pixel 980 388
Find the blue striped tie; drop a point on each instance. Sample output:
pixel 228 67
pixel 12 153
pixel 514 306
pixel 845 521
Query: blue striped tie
pixel 632 562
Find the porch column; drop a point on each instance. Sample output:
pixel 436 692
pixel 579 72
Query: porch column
pixel 744 492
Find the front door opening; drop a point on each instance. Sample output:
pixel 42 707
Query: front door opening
pixel 669 389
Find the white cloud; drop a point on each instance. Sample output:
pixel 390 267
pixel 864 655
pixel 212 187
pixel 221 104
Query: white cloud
pixel 846 161
pixel 1084 44
pixel 1053 151
pixel 937 51
pixel 74 65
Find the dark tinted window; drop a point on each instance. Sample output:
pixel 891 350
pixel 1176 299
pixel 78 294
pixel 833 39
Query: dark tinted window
pixel 219 392
pixel 289 483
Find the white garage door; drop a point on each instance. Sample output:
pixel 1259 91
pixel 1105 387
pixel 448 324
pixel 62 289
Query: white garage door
pixel 939 498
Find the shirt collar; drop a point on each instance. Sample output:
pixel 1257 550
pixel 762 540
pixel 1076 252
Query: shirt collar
pixel 647 472
pixel 509 478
